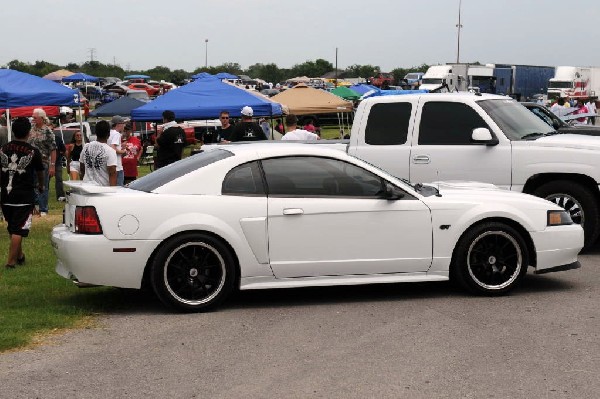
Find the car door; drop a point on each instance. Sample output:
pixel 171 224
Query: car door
pixel 326 217
pixel 444 151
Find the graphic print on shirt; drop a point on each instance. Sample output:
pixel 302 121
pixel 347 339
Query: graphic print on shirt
pixel 14 167
pixel 95 157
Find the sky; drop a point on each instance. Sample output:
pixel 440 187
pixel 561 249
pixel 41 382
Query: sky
pixel 141 34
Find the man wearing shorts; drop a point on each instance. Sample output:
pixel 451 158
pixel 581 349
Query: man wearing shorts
pixel 21 173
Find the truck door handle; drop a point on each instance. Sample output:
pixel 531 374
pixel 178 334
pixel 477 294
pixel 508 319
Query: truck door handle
pixel 293 211
pixel 421 159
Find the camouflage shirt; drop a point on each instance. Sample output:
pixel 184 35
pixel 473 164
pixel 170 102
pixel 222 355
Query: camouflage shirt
pixel 42 139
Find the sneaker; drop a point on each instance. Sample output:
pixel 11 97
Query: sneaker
pixel 21 260
pixel 61 199
pixel 42 214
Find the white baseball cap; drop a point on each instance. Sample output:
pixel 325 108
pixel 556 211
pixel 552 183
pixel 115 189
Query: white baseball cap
pixel 247 111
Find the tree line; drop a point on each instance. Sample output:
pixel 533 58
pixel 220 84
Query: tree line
pixel 268 72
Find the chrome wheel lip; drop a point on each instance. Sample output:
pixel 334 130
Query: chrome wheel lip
pixel 576 211
pixel 514 275
pixel 198 301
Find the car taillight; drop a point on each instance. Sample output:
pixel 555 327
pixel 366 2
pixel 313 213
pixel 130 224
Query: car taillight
pixel 86 220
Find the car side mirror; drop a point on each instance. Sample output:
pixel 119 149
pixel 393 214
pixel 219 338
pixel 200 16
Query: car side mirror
pixel 482 135
pixel 392 193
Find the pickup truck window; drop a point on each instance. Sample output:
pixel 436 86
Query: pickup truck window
pixel 388 124
pixel 448 123
pixel 515 121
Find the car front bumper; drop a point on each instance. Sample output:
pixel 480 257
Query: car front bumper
pixel 557 247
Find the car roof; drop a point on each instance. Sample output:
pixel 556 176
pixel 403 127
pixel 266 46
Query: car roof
pixel 437 96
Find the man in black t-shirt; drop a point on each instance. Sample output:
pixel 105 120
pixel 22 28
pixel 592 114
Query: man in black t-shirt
pixel 226 129
pixel 247 130
pixel 22 171
pixel 170 142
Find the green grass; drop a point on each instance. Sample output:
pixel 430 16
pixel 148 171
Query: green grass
pixel 34 300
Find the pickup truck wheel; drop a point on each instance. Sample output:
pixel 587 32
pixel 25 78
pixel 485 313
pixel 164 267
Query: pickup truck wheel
pixel 579 201
pixel 490 259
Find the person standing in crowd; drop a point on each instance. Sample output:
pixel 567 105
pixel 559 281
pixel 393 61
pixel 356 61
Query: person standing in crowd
pixel 581 109
pixel 591 106
pixel 3 131
pixel 247 130
pixel 73 153
pixel 118 123
pixel 226 127
pixel 264 125
pixel 309 127
pixel 293 133
pixel 61 151
pixel 98 160
pixel 22 170
pixel 279 126
pixel 42 138
pixel 558 108
pixel 170 141
pixel 133 151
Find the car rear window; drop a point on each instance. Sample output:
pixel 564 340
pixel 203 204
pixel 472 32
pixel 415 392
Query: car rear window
pixel 169 173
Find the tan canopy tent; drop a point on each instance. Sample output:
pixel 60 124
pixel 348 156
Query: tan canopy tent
pixel 57 76
pixel 304 100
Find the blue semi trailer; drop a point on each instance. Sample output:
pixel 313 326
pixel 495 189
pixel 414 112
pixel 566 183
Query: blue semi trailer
pixel 522 81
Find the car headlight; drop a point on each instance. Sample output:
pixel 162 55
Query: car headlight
pixel 559 218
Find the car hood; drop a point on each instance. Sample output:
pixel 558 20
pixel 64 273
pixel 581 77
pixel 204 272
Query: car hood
pixel 570 141
pixel 485 193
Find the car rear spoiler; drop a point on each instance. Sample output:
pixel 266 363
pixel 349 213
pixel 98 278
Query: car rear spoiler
pixel 89 188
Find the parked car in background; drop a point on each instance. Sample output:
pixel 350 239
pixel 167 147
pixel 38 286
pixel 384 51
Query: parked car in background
pixel 67 130
pixel 231 217
pixel 141 95
pixel 118 88
pixel 152 91
pixel 558 124
pixel 269 92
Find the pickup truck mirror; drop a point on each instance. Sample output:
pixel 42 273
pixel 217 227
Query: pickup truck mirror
pixel 392 192
pixel 482 135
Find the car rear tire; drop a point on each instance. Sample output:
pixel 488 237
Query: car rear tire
pixel 490 259
pixel 193 272
pixel 579 201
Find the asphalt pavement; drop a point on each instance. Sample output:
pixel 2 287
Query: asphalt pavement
pixel 424 340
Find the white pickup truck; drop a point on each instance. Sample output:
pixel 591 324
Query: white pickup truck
pixel 487 138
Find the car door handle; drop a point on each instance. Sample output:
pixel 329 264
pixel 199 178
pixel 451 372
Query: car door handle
pixel 293 211
pixel 421 159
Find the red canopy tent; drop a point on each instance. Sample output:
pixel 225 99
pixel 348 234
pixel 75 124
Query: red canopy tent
pixel 51 110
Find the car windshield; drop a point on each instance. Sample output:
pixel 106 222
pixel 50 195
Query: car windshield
pixel 165 175
pixel 560 85
pixel 516 121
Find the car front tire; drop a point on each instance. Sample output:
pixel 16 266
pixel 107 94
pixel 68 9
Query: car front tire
pixel 193 272
pixel 490 259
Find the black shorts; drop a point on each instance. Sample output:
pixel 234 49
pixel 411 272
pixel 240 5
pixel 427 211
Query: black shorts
pixel 18 218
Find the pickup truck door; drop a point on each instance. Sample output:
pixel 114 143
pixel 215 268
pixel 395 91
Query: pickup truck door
pixel 442 147
pixel 327 218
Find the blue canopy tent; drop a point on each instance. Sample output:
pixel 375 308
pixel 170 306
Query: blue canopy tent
pixel 122 106
pixel 202 75
pixel 205 99
pixel 19 89
pixel 80 77
pixel 362 88
pixel 137 77
pixel 226 75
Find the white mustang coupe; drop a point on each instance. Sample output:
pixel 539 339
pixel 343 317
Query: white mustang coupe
pixel 283 215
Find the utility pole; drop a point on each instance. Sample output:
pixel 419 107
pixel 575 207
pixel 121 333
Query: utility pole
pixel 336 69
pixel 205 53
pixel 459 26
pixel 91 51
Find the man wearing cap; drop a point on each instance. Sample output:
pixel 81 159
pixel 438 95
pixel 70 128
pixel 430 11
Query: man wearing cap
pixel 170 141
pixel 118 124
pixel 247 130
pixel 293 133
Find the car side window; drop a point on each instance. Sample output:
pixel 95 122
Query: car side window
pixel 448 123
pixel 244 180
pixel 319 177
pixel 388 124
